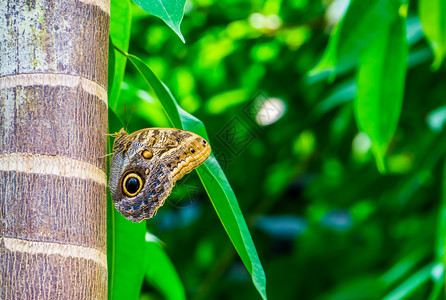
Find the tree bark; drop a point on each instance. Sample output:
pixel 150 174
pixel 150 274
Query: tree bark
pixel 53 121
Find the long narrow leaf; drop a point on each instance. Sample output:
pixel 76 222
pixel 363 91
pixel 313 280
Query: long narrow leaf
pixel 213 179
pixel 111 65
pixel 433 18
pixel 380 81
pixel 120 23
pixel 363 21
pixel 404 266
pixel 159 89
pixel 126 249
pixel 225 203
pixel 162 274
pixel 411 284
pixel 440 247
pixel 130 260
pixel 440 243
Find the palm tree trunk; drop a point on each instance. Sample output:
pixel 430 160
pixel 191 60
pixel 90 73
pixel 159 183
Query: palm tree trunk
pixel 53 120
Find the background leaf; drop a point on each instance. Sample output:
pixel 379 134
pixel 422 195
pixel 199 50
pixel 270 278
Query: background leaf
pixel 111 65
pixel 120 24
pixel 162 274
pixel 380 82
pixel 130 260
pixel 363 21
pixel 433 19
pixel 407 287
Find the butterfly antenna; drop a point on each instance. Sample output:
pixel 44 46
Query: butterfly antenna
pixel 106 155
pixel 131 113
pixel 125 116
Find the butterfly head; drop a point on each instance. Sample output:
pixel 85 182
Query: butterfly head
pixel 119 143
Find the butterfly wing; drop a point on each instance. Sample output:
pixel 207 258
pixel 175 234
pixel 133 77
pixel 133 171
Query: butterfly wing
pixel 156 158
pixel 156 179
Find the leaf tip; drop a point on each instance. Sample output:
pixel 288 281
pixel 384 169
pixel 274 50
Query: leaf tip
pixel 379 153
pixel 177 30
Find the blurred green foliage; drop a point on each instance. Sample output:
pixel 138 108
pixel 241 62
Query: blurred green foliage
pixel 326 223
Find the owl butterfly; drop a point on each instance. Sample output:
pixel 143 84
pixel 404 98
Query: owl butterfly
pixel 147 163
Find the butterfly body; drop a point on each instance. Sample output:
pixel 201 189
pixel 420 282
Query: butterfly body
pixel 147 163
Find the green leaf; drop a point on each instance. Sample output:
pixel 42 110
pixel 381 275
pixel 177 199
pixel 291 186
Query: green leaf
pixel 437 290
pixel 433 148
pixel 404 266
pixel 126 246
pixel 120 23
pixel 213 179
pixel 411 284
pixel 220 103
pixel 130 258
pixel 162 274
pixel 380 80
pixel 225 204
pixel 441 228
pixel 362 22
pixel 328 61
pixel 341 94
pixel 170 11
pixel 111 65
pixel 433 17
pixel 440 243
pixel 160 90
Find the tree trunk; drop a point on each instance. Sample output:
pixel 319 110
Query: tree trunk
pixel 53 121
